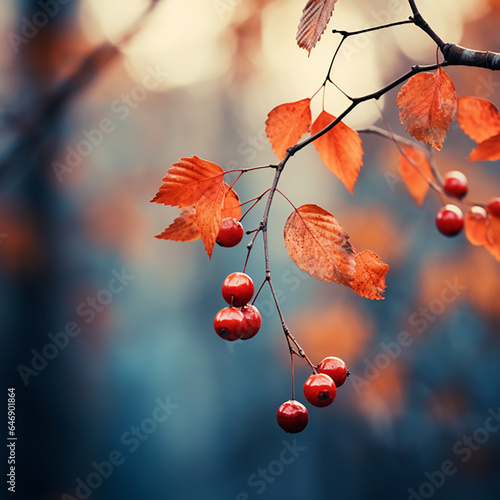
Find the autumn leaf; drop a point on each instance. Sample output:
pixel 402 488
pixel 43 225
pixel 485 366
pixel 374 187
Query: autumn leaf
pixel 493 236
pixel 487 150
pixel 318 244
pixel 369 278
pixel 232 207
pixel 286 124
pixel 476 226
pixel 340 149
pixel 209 214
pixel 313 22
pixel 187 180
pixel 184 227
pixel 478 118
pixel 427 104
pixel 414 180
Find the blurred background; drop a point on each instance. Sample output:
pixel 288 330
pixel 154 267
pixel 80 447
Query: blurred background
pixel 123 389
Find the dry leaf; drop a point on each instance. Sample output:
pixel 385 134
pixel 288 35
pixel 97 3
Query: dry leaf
pixel 427 104
pixel 414 180
pixel 340 149
pixel 369 279
pixel 187 180
pixel 315 17
pixel 478 118
pixel 286 124
pixel 318 244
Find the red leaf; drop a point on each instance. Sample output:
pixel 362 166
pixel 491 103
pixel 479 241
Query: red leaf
pixel 187 180
pixel 184 228
pixel 487 150
pixel 209 214
pixel 315 17
pixel 415 182
pixel 369 279
pixel 340 149
pixel 232 207
pixel 478 118
pixel 493 236
pixel 286 124
pixel 427 104
pixel 318 244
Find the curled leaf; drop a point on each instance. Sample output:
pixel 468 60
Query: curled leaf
pixel 340 149
pixel 427 104
pixel 286 124
pixel 313 22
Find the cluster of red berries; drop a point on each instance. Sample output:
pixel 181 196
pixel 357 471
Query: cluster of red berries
pixel 241 320
pixel 320 390
pixel 450 219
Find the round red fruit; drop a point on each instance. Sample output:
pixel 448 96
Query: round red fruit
pixel 450 220
pixel 335 368
pixel 456 184
pixel 320 390
pixel 230 233
pixel 254 320
pixel 292 416
pixel 237 289
pixel 230 324
pixel 493 207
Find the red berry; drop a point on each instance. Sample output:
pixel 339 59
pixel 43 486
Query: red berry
pixel 335 368
pixel 237 289
pixel 254 320
pixel 450 220
pixel 230 233
pixel 320 390
pixel 292 416
pixel 230 324
pixel 493 207
pixel 455 183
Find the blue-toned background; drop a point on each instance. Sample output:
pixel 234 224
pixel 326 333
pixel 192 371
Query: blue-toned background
pixel 123 389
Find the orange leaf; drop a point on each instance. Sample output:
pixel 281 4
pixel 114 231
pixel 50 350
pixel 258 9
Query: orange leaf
pixel 487 150
pixel 493 236
pixel 427 104
pixel 340 149
pixel 478 118
pixel 286 124
pixel 415 182
pixel 369 279
pixel 232 207
pixel 209 214
pixel 187 180
pixel 476 225
pixel 313 22
pixel 184 228
pixel 318 244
